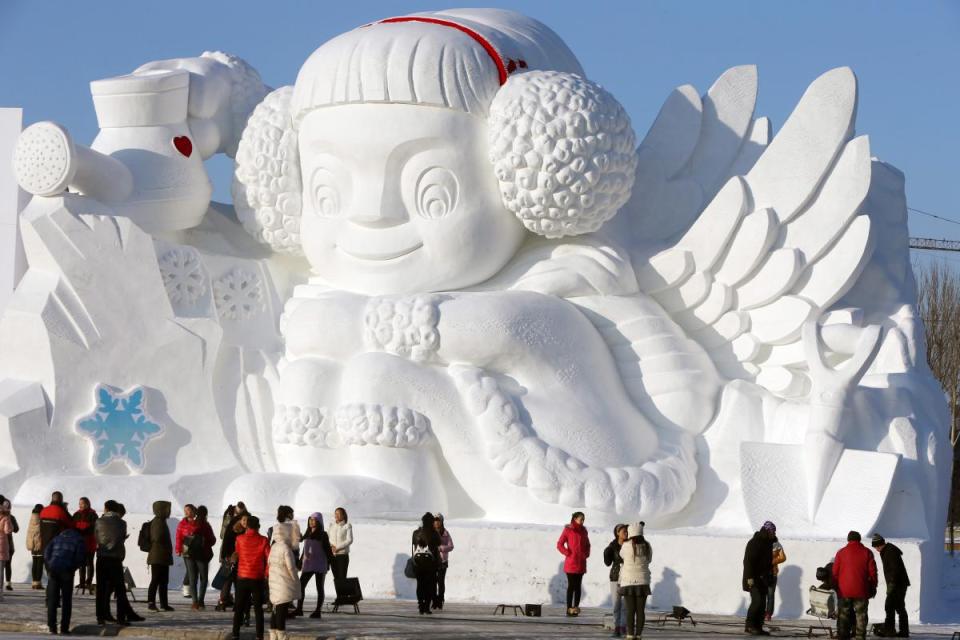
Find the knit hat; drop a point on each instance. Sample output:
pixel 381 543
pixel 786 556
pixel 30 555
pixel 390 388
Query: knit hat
pixel 635 529
pixel 769 527
pixel 877 540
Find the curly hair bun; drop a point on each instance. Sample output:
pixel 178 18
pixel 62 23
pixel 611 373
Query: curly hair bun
pixel 563 151
pixel 266 181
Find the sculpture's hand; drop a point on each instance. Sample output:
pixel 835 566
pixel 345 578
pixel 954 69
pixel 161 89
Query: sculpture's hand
pixel 223 91
pixel 823 443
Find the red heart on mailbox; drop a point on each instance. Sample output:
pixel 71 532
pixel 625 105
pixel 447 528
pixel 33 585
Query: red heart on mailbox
pixel 183 145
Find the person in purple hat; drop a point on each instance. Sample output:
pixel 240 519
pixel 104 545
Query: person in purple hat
pixel 316 559
pixel 757 571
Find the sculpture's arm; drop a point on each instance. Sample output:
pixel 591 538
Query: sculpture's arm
pixel 570 386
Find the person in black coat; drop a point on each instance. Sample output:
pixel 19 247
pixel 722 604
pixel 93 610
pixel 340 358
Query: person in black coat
pixel 895 575
pixel 612 558
pixel 425 549
pixel 757 569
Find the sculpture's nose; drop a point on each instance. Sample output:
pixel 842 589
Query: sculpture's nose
pixel 378 204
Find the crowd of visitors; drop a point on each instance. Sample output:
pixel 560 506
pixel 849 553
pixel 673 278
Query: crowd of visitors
pixel 272 573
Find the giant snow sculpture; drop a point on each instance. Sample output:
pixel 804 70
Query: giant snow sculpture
pixel 466 287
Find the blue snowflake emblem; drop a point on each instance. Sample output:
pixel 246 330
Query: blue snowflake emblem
pixel 119 427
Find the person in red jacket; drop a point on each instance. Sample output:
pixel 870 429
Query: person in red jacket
pixel 84 521
pixel 855 579
pixel 194 543
pixel 54 518
pixel 574 543
pixel 252 552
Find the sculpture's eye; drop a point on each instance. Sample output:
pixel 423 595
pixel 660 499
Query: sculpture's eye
pixel 326 198
pixel 437 192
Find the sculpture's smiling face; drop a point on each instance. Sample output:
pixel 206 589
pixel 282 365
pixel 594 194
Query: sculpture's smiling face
pixel 401 198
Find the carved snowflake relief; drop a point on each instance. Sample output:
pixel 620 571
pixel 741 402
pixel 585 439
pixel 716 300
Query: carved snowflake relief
pixel 119 427
pixel 182 275
pixel 238 294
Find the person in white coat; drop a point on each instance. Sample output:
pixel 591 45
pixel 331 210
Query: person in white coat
pixel 635 578
pixel 283 578
pixel 341 537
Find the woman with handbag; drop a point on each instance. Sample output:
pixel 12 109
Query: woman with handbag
pixel 425 554
pixel 316 560
pixel 195 540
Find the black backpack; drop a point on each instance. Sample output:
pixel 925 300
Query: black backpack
pixel 143 539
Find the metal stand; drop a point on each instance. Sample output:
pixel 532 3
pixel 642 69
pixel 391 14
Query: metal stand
pixel 679 614
pixel 501 609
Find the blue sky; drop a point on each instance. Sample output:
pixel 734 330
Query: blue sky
pixel 906 55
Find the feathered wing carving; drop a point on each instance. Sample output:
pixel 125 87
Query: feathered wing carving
pixel 781 236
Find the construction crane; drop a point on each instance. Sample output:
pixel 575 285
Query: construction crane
pixel 932 244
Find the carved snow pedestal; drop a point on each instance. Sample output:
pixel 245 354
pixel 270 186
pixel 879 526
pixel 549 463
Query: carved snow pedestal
pixel 471 291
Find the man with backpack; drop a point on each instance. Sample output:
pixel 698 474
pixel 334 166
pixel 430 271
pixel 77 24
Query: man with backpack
pixel 111 533
pixel 64 554
pixel 425 551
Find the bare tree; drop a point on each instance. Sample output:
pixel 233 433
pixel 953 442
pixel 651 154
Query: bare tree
pixel 938 300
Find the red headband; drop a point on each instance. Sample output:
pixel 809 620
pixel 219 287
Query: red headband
pixel 502 69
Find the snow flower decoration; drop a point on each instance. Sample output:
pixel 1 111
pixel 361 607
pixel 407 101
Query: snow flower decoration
pixel 119 427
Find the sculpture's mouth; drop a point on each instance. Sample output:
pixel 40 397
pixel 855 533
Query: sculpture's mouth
pixel 372 253
pixel 382 244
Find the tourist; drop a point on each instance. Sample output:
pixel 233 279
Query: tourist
pixel 574 543
pixel 317 558
pixel 613 559
pixel 6 528
pixel 7 566
pixel 425 550
pixel 66 553
pixel 35 547
pixel 855 576
pixel 229 530
pixel 285 514
pixel 635 578
pixel 53 519
pixel 779 557
pixel 341 537
pixel 283 579
pixel 159 557
pixel 757 570
pixel 895 575
pixel 252 550
pixel 111 532
pixel 446 546
pixel 84 520
pixel 194 543
pixel 186 527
